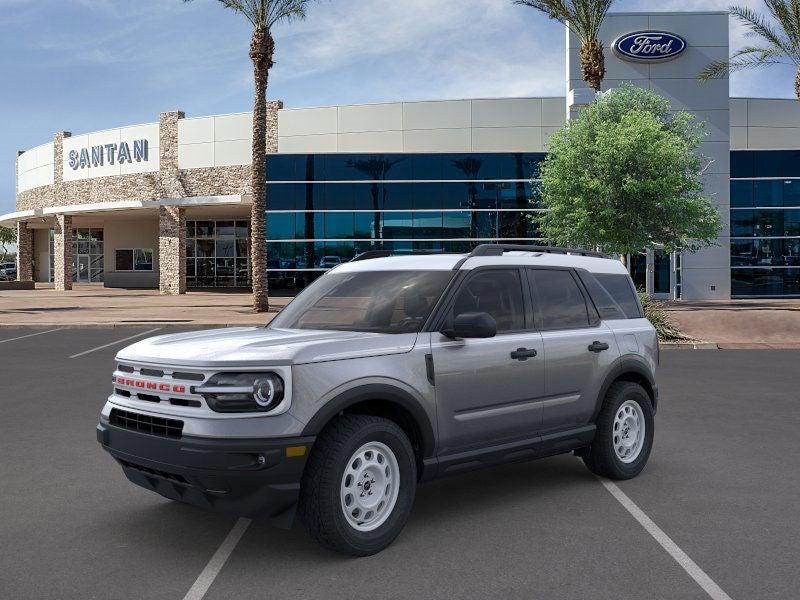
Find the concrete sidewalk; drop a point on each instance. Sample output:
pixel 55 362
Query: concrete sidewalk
pixel 93 305
pixel 740 323
pixel 732 324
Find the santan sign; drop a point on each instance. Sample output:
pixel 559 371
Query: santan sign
pixel 97 156
pixel 649 46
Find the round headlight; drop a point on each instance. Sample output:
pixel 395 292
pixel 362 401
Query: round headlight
pixel 264 392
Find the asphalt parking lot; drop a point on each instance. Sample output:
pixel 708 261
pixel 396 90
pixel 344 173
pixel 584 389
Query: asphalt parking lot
pixel 722 483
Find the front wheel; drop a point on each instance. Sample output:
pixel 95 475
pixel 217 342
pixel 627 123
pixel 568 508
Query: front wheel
pixel 624 435
pixel 359 485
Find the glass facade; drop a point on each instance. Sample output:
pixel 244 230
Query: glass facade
pixel 765 223
pixel 217 254
pixel 88 262
pixel 326 208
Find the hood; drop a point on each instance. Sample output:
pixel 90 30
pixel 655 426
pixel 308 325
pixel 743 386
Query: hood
pixel 254 346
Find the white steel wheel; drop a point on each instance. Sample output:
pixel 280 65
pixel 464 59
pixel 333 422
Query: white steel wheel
pixel 370 485
pixel 629 431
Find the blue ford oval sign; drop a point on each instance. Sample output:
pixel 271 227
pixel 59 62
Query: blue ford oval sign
pixel 649 46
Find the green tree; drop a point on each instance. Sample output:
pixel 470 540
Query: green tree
pixel 263 15
pixel 778 37
pixel 625 176
pixel 8 236
pixel 584 19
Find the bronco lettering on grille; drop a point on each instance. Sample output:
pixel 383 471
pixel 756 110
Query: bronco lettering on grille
pixel 149 385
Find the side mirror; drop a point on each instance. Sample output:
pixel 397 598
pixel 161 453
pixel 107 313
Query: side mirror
pixel 472 325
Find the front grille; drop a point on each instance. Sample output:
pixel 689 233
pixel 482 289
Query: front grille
pixel 170 428
pixel 157 472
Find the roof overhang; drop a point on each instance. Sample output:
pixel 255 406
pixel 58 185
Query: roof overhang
pixel 11 219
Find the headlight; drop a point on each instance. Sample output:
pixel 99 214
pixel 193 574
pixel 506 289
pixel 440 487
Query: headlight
pixel 242 392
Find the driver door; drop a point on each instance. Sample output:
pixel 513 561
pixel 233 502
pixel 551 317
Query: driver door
pixel 483 394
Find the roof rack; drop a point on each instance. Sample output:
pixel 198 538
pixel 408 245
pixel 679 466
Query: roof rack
pixel 500 249
pixel 369 254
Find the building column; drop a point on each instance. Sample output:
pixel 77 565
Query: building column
pixel 24 252
pixel 62 251
pixel 171 250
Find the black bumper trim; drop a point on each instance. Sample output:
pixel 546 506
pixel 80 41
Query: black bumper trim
pixel 249 478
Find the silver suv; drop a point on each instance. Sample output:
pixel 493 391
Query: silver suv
pixel 386 372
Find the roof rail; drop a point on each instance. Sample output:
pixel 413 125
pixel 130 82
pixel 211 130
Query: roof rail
pixel 371 254
pixel 500 249
pixel 367 255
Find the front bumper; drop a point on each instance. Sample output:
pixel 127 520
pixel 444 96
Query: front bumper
pixel 250 478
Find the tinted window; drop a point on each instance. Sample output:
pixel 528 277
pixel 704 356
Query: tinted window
pixel 374 301
pixel 497 292
pixel 605 304
pixel 619 288
pixel 559 300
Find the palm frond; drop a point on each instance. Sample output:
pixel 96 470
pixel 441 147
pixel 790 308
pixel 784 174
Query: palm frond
pixel 785 14
pixel 759 26
pixel 583 17
pixel 745 58
pixel 263 14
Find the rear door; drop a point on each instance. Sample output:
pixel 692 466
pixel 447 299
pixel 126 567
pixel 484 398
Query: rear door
pixel 488 390
pixel 578 347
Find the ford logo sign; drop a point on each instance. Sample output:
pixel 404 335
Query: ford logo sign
pixel 649 46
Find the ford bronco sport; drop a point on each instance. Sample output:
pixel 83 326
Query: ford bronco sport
pixel 385 372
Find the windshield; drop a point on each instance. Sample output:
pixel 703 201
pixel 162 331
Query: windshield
pixel 375 301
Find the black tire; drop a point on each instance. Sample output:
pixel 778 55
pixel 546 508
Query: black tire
pixel 600 457
pixel 320 506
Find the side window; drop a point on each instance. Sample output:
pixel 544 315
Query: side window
pixel 559 300
pixel 620 289
pixel 606 305
pixel 495 291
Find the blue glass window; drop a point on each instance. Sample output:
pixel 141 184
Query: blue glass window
pixel 426 166
pixel 791 192
pixel 455 195
pixel 768 193
pixel 427 225
pixel 282 196
pixel 768 163
pixel 339 225
pixel 397 225
pixel 366 225
pixel 426 195
pixel 397 196
pixel 456 224
pixel 281 167
pixel 339 196
pixel 280 226
pixel 741 194
pixel 742 164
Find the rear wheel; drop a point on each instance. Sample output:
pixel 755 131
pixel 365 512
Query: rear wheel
pixel 624 435
pixel 359 485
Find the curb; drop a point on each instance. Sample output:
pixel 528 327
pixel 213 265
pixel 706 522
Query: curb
pixel 689 345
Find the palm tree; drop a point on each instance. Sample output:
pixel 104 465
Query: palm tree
pixel 376 168
pixel 262 15
pixel 584 19
pixel 780 41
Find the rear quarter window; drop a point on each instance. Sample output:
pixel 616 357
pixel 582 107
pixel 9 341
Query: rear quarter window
pixel 619 288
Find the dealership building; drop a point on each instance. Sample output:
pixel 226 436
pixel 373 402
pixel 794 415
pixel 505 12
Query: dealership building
pixel 167 204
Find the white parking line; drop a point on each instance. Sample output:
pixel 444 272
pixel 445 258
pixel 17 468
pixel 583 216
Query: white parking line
pixel 214 566
pixel 22 337
pixel 114 343
pixel 688 565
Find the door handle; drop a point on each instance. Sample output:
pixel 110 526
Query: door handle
pixel 523 354
pixel 597 346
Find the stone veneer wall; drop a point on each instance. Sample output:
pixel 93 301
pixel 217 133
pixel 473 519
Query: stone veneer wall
pixel 171 250
pixel 62 250
pixel 24 252
pixel 169 182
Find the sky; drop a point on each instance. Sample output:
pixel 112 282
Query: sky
pixel 86 65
